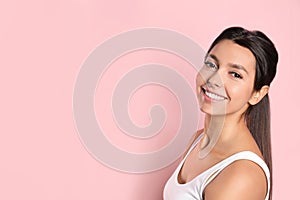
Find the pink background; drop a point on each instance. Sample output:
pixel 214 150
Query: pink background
pixel 42 46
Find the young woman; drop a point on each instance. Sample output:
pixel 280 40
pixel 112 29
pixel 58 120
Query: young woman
pixel 231 157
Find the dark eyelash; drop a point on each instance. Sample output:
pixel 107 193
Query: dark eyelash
pixel 236 75
pixel 211 64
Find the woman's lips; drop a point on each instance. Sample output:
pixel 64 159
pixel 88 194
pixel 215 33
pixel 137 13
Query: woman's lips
pixel 212 96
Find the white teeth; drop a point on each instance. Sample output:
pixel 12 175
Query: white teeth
pixel 214 96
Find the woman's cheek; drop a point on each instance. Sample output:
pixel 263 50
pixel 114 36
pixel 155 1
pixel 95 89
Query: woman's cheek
pixel 203 75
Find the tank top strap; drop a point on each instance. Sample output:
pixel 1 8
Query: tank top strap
pixel 244 155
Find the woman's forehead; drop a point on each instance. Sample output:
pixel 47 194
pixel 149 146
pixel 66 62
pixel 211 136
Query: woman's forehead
pixel 228 52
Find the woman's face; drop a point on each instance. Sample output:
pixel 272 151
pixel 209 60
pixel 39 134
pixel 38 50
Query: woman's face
pixel 225 82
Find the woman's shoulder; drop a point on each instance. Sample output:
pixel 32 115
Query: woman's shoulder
pixel 192 140
pixel 242 178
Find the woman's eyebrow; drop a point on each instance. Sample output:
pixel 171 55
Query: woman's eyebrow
pixel 237 66
pixel 214 57
pixel 232 65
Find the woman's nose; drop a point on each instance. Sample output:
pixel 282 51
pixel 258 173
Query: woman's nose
pixel 215 80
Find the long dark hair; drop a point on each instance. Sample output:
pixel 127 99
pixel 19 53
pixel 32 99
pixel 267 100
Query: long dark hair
pixel 257 116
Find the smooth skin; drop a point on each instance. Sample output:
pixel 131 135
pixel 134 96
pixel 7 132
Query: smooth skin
pixel 228 72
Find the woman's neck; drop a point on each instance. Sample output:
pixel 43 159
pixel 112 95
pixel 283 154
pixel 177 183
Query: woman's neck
pixel 221 131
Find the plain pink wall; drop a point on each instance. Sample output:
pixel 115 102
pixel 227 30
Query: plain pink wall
pixel 42 47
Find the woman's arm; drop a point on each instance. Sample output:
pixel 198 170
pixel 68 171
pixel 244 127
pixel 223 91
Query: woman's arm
pixel 241 180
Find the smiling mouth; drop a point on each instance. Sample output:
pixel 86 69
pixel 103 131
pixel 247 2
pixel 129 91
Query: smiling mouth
pixel 212 96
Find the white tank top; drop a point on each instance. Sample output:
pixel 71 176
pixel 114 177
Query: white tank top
pixel 193 190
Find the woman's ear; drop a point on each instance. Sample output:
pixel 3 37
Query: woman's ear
pixel 258 95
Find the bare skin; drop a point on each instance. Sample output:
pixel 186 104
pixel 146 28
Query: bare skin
pixel 243 179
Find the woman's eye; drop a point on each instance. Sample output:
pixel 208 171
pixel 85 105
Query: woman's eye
pixel 236 75
pixel 211 65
